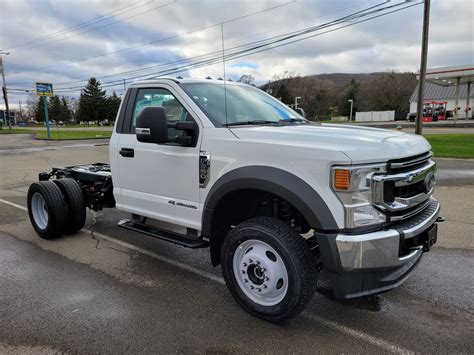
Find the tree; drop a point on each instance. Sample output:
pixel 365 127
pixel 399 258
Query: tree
pixel 351 94
pixel 73 106
pixel 55 110
pixel 281 92
pixel 388 91
pixel 112 104
pixel 39 109
pixel 91 102
pixel 31 103
pixel 66 112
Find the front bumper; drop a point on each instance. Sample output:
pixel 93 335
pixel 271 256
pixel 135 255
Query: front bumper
pixel 378 261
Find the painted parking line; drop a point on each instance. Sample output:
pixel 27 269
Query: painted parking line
pixel 379 342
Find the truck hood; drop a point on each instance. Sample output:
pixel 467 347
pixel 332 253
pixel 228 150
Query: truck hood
pixel 360 144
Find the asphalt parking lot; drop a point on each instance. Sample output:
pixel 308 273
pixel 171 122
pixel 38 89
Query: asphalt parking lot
pixel 107 290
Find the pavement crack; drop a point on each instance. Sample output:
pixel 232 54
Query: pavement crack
pixel 98 240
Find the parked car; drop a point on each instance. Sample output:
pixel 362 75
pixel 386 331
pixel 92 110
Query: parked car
pixel 411 116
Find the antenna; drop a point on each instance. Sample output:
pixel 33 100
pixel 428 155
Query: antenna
pixel 223 64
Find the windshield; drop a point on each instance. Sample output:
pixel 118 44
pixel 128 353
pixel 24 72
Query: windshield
pixel 245 104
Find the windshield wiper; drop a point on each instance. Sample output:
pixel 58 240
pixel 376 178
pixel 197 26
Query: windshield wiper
pixel 251 122
pixel 293 120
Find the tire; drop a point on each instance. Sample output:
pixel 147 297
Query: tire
pixel 276 261
pixel 46 209
pixel 76 204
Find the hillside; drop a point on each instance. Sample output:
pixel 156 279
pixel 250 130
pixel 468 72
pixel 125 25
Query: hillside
pixel 326 95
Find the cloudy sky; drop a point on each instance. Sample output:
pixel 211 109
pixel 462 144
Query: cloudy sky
pixel 68 41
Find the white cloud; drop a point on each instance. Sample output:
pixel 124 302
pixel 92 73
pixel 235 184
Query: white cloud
pixel 391 42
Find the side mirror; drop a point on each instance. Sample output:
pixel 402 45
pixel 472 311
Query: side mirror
pixel 152 126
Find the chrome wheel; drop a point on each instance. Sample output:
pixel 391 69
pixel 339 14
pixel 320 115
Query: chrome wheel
pixel 39 210
pixel 260 272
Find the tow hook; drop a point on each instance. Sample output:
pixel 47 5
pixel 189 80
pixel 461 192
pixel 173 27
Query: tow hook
pixel 440 219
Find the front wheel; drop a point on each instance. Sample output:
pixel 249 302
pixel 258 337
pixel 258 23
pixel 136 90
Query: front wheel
pixel 268 268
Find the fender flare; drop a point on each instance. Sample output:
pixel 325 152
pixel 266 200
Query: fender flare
pixel 277 181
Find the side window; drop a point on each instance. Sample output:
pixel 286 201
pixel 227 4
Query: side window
pixel 159 98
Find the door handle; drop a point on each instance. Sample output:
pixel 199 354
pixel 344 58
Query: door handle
pixel 127 152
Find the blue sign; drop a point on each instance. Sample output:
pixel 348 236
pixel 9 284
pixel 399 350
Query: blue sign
pixel 44 89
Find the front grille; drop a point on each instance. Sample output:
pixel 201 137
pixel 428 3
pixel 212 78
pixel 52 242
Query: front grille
pixel 408 164
pixel 404 214
pixel 401 192
pixel 409 190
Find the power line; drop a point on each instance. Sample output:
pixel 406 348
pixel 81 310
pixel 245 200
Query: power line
pixel 207 54
pixel 162 39
pixel 83 24
pixel 312 28
pixel 288 39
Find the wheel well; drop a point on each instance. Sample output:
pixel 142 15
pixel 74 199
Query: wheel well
pixel 240 205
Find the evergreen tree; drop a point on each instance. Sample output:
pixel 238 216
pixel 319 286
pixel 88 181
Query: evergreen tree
pixel 351 94
pixel 66 112
pixel 113 103
pixel 39 109
pixel 55 110
pixel 283 94
pixel 91 102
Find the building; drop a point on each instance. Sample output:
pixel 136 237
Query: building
pixel 3 116
pixel 450 84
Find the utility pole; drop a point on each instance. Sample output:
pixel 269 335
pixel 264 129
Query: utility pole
pixel 424 55
pixel 4 88
pixel 21 114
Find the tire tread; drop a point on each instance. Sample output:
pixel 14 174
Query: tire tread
pixel 76 214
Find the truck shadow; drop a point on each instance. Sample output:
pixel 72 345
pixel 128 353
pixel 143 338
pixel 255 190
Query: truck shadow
pixel 373 303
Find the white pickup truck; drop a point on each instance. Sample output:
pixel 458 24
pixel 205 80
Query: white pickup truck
pixel 275 197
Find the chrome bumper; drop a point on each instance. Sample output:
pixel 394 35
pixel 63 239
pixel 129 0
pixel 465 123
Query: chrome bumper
pixel 380 249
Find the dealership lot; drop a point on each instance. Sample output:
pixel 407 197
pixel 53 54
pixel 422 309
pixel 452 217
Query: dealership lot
pixel 110 290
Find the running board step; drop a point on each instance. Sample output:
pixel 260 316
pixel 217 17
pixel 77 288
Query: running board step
pixel 184 240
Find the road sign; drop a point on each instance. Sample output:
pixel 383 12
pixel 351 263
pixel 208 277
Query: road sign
pixel 44 89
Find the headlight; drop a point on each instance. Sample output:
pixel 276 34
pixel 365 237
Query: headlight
pixel 352 186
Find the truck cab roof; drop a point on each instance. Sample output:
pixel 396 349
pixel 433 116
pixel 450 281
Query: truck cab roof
pixel 178 80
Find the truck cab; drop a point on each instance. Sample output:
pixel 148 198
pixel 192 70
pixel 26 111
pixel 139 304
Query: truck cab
pixel 276 198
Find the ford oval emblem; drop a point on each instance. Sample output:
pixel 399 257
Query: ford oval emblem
pixel 429 182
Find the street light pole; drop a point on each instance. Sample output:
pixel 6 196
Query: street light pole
pixel 4 88
pixel 296 101
pixel 352 103
pixel 424 55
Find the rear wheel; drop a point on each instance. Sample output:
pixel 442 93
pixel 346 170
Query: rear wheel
pixel 46 209
pixel 268 268
pixel 76 205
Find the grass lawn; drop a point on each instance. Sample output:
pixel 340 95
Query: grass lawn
pixel 59 134
pixel 443 145
pixel 452 145
pixel 65 135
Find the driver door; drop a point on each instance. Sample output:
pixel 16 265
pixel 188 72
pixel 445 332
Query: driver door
pixel 160 181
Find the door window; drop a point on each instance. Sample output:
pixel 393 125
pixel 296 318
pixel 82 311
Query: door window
pixel 159 98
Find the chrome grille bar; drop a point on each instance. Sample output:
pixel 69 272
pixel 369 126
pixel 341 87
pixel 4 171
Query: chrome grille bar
pixel 423 175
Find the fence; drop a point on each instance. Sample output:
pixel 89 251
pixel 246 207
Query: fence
pixel 375 116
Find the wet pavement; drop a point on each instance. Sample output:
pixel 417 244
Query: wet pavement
pixel 108 290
